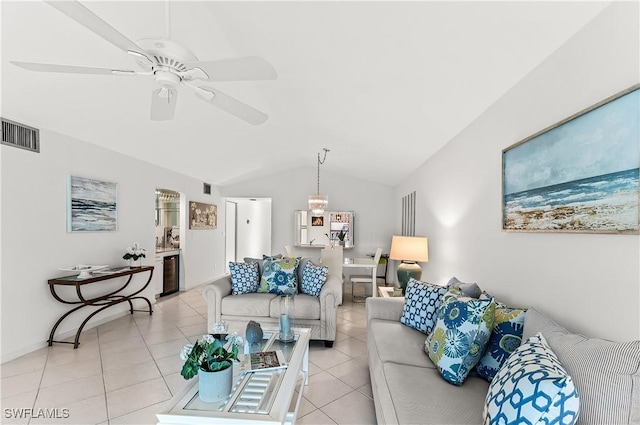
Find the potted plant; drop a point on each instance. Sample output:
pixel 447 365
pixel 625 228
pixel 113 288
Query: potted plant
pixel 341 237
pixel 133 254
pixel 212 361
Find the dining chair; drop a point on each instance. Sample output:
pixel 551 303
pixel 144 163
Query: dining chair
pixel 332 257
pixel 366 279
pixel 288 252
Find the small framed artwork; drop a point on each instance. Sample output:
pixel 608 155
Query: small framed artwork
pixel 579 175
pixel 91 205
pixel 317 221
pixel 202 216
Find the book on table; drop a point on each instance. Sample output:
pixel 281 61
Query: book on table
pixel 263 361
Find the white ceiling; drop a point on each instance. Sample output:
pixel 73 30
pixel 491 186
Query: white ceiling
pixel 384 85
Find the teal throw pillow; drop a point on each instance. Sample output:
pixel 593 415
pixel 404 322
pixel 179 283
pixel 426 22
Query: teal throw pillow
pixel 244 278
pixel 505 338
pixel 313 279
pixel 279 275
pixel 533 388
pixel 421 300
pixel 460 335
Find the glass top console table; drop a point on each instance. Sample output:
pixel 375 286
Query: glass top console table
pixel 102 300
pixel 265 397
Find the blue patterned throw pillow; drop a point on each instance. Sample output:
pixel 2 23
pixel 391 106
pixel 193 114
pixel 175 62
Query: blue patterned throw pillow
pixel 313 278
pixel 244 278
pixel 460 335
pixel 505 338
pixel 279 275
pixel 532 387
pixel 421 300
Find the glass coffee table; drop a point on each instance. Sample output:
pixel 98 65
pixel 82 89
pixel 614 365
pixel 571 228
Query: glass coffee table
pixel 264 397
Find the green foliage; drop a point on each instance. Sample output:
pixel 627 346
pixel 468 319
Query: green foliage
pixel 209 354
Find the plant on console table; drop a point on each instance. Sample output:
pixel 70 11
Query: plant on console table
pixel 212 362
pixel 134 254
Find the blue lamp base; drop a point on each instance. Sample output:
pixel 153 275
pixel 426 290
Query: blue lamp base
pixel 407 270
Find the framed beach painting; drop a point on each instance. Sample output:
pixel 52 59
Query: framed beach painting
pixel 202 216
pixel 91 205
pixel 579 175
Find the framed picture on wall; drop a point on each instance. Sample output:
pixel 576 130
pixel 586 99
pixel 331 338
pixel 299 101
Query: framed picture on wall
pixel 579 175
pixel 202 216
pixel 91 205
pixel 317 221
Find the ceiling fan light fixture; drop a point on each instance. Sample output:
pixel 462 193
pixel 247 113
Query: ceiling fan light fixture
pixel 318 202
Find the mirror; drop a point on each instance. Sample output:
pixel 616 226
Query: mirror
pixel 167 218
pixel 332 227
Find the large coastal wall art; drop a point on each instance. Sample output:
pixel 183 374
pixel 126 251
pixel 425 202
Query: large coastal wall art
pixel 91 205
pixel 579 175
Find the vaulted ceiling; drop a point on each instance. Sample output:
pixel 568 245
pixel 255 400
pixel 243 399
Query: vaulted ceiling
pixel 384 85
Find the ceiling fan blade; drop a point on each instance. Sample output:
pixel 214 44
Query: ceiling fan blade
pixel 71 69
pixel 237 69
pixel 231 105
pixel 93 22
pixel 163 104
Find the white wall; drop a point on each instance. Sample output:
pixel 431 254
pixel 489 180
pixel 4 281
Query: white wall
pixel 588 282
pixel 35 242
pixel 290 190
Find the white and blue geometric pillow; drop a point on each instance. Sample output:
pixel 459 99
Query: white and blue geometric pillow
pixel 532 387
pixel 313 278
pixel 461 333
pixel 244 278
pixel 505 338
pixel 279 276
pixel 421 300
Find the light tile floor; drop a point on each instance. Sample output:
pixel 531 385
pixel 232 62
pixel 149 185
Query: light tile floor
pixel 125 371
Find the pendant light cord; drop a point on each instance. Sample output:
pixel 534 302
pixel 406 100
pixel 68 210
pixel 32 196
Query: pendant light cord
pixel 319 163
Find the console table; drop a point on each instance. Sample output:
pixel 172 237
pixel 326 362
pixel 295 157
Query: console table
pixel 103 301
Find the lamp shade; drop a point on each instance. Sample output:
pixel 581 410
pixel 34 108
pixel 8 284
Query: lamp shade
pixel 409 248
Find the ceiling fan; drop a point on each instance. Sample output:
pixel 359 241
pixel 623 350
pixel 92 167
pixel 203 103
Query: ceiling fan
pixel 170 64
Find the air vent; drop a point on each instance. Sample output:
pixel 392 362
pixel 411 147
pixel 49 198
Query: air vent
pixel 20 135
pixel 206 188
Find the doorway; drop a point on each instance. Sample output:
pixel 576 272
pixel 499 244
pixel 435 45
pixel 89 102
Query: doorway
pixel 248 228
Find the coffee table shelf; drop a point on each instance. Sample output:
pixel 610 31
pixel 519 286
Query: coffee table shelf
pixel 265 397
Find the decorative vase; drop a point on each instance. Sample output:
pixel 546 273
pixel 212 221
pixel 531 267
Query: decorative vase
pixel 134 263
pixel 286 318
pixel 215 386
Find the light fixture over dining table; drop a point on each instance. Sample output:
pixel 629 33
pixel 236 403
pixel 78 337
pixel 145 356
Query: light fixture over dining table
pixel 319 201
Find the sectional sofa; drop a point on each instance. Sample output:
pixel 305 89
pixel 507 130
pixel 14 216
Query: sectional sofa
pixel 408 388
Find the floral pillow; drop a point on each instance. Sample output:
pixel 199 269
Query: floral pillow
pixel 420 303
pixel 460 335
pixel 244 278
pixel 532 387
pixel 505 338
pixel 313 279
pixel 279 275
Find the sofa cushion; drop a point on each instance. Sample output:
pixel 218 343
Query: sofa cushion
pixel 279 275
pixel 419 395
pixel 505 338
pixel 244 278
pixel 397 343
pixel 304 307
pixel 470 289
pixel 313 278
pixel 532 387
pixel 606 373
pixel 259 261
pixel 461 334
pixel 420 303
pixel 255 304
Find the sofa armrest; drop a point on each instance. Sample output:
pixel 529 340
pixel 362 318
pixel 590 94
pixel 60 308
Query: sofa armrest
pixel 213 293
pixel 329 300
pixel 384 308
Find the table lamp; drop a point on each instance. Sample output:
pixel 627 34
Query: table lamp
pixel 410 250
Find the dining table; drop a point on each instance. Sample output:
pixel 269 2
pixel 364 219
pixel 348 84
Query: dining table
pixel 364 263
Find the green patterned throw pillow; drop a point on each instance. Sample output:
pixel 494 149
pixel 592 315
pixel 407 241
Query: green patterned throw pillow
pixel 462 330
pixel 279 275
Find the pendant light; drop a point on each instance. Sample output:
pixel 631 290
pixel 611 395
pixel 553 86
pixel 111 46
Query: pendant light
pixel 318 202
